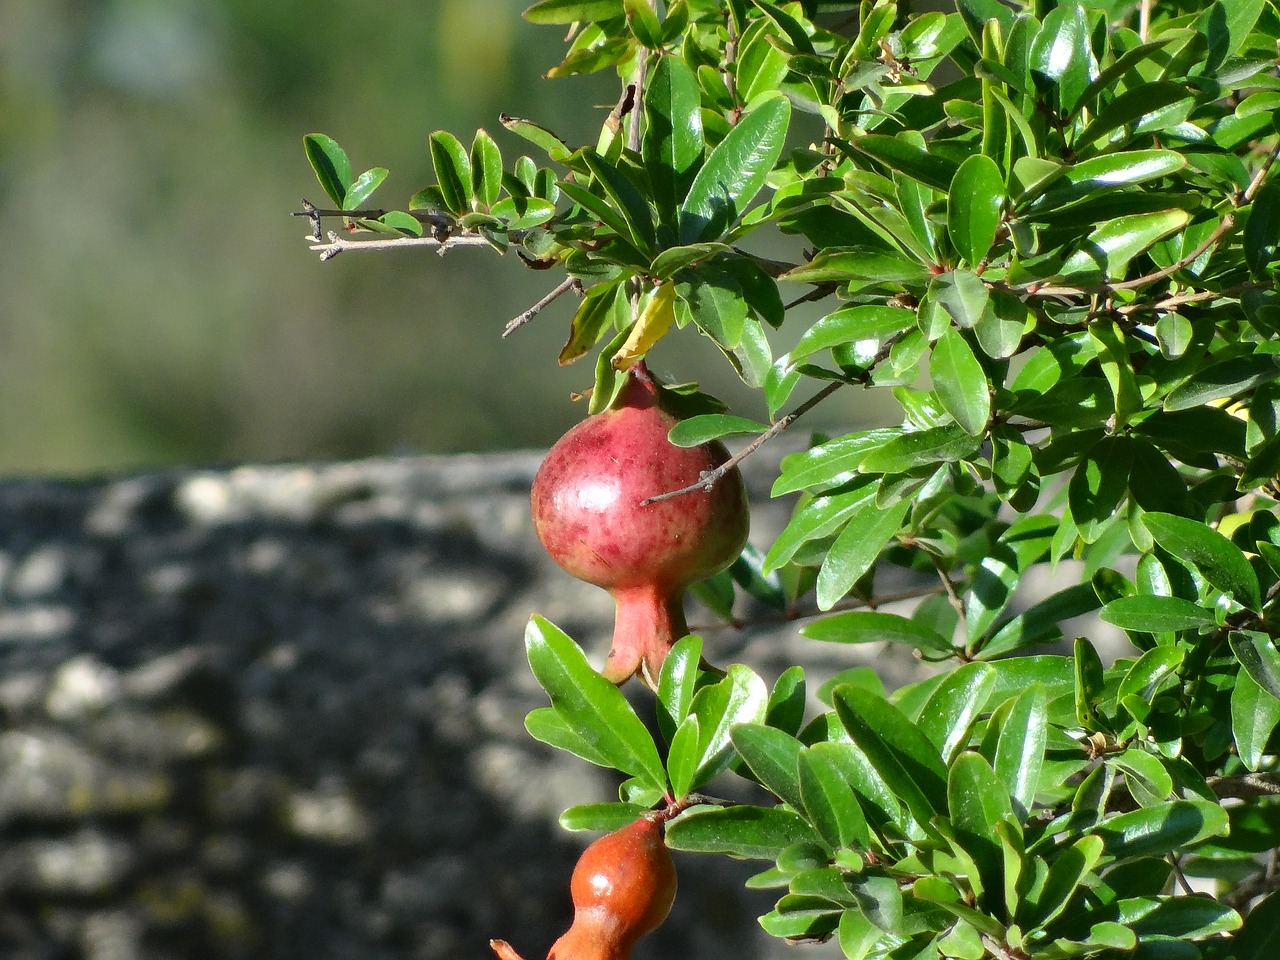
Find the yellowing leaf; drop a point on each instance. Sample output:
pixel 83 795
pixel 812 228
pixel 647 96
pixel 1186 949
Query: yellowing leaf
pixel 654 321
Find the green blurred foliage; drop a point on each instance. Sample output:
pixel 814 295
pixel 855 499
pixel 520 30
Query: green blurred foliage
pixel 159 304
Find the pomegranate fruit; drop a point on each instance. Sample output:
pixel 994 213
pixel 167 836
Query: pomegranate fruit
pixel 622 888
pixel 589 512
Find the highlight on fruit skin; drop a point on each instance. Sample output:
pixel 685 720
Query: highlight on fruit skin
pixel 588 504
pixel 622 888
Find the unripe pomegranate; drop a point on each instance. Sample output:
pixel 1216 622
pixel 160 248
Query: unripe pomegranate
pixel 622 888
pixel 589 511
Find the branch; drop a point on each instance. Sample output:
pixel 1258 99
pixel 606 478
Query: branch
pixel 1246 786
pixel 518 321
pixel 709 478
pixel 337 244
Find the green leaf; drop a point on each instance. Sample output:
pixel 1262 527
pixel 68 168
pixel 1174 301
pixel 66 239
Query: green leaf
pixel 625 198
pixel 773 756
pixel 674 259
pixel 1159 830
pixel 856 549
pixel 974 205
pixel 977 801
pixel 331 165
pixel 486 170
pixel 1262 230
pixel 1020 748
pixel 601 817
pixel 1102 173
pixel 363 186
pixel 867 626
pixel 1109 247
pixel 1254 716
pixel 761 65
pixel 1040 622
pixel 571 11
pixel 1192 917
pixel 734 172
pixel 742 831
pixel 1099 485
pixel 678 678
pixel 591 705
pixel 1228 378
pixel 816 518
pixel 672 145
pixel 799 917
pixel 947 716
pixel 1257 653
pixel 1061 55
pixel 1118 368
pixel 547 725
pixel 711 426
pixel 945 444
pixel 522 213
pixel 539 136
pixel 857 935
pixel 961 383
pixel 1133 108
pixel 453 171
pixel 1156 614
pixel 963 295
pixel 916 162
pixel 683 757
pixel 714 300
pixel 593 319
pixel 873 323
pixel 741 697
pixel 900 753
pixel 843 265
pixel 829 464
pixel 1066 872
pixel 1219 561
pixel 829 800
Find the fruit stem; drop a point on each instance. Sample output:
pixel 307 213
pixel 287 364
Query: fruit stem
pixel 649 620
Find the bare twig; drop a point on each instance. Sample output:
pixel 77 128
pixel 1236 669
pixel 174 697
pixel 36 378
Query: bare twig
pixel 337 244
pixel 1246 786
pixel 518 321
pixel 709 478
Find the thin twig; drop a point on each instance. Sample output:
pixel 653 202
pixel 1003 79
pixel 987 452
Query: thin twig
pixel 337 244
pixel 791 616
pixel 1246 786
pixel 709 478
pixel 518 321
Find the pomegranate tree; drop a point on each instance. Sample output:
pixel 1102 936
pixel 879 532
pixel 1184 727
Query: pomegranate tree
pixel 593 513
pixel 622 888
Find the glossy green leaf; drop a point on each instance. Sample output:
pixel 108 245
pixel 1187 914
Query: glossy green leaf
pixel 1020 748
pixel 1068 869
pixel 1150 672
pixel 974 204
pixel 773 756
pixel 522 213
pixel 1219 561
pixel 538 135
pixel 829 800
pixel 547 725
pixel 1262 229
pixel 856 548
pixel 838 266
pixel 866 322
pixel 801 917
pixel 1108 171
pixel 591 705
pixel 363 186
pixel 1114 355
pixel 1109 247
pixel 1156 614
pixel 1040 623
pixel 963 295
pixel 900 753
pixel 1254 716
pixel 829 464
pixel 741 697
pixel 909 451
pixel 857 935
pixel 678 678
pixel 742 831
pixel 814 519
pixel 714 301
pixel 711 426
pixel 977 801
pixel 1156 831
pixel 916 162
pixel 1099 485
pixel 1191 917
pixel 868 626
pixel 1089 679
pixel 684 756
pixel 453 171
pixel 601 817
pixel 1061 55
pixel 593 320
pixel 1229 378
pixel 1132 108
pixel 761 65
pixel 486 170
pixel 734 172
pixel 331 165
pixel 948 714
pixel 571 11
pixel 626 199
pixel 1257 653
pixel 961 383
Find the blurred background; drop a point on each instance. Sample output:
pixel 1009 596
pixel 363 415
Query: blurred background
pixel 158 303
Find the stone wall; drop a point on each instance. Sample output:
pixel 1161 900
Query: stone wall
pixel 277 712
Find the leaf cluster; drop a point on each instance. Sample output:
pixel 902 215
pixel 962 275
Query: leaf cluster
pixel 1052 233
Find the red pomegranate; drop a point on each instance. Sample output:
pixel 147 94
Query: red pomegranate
pixel 589 511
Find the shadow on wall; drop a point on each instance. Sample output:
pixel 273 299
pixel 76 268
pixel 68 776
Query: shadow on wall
pixel 278 713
